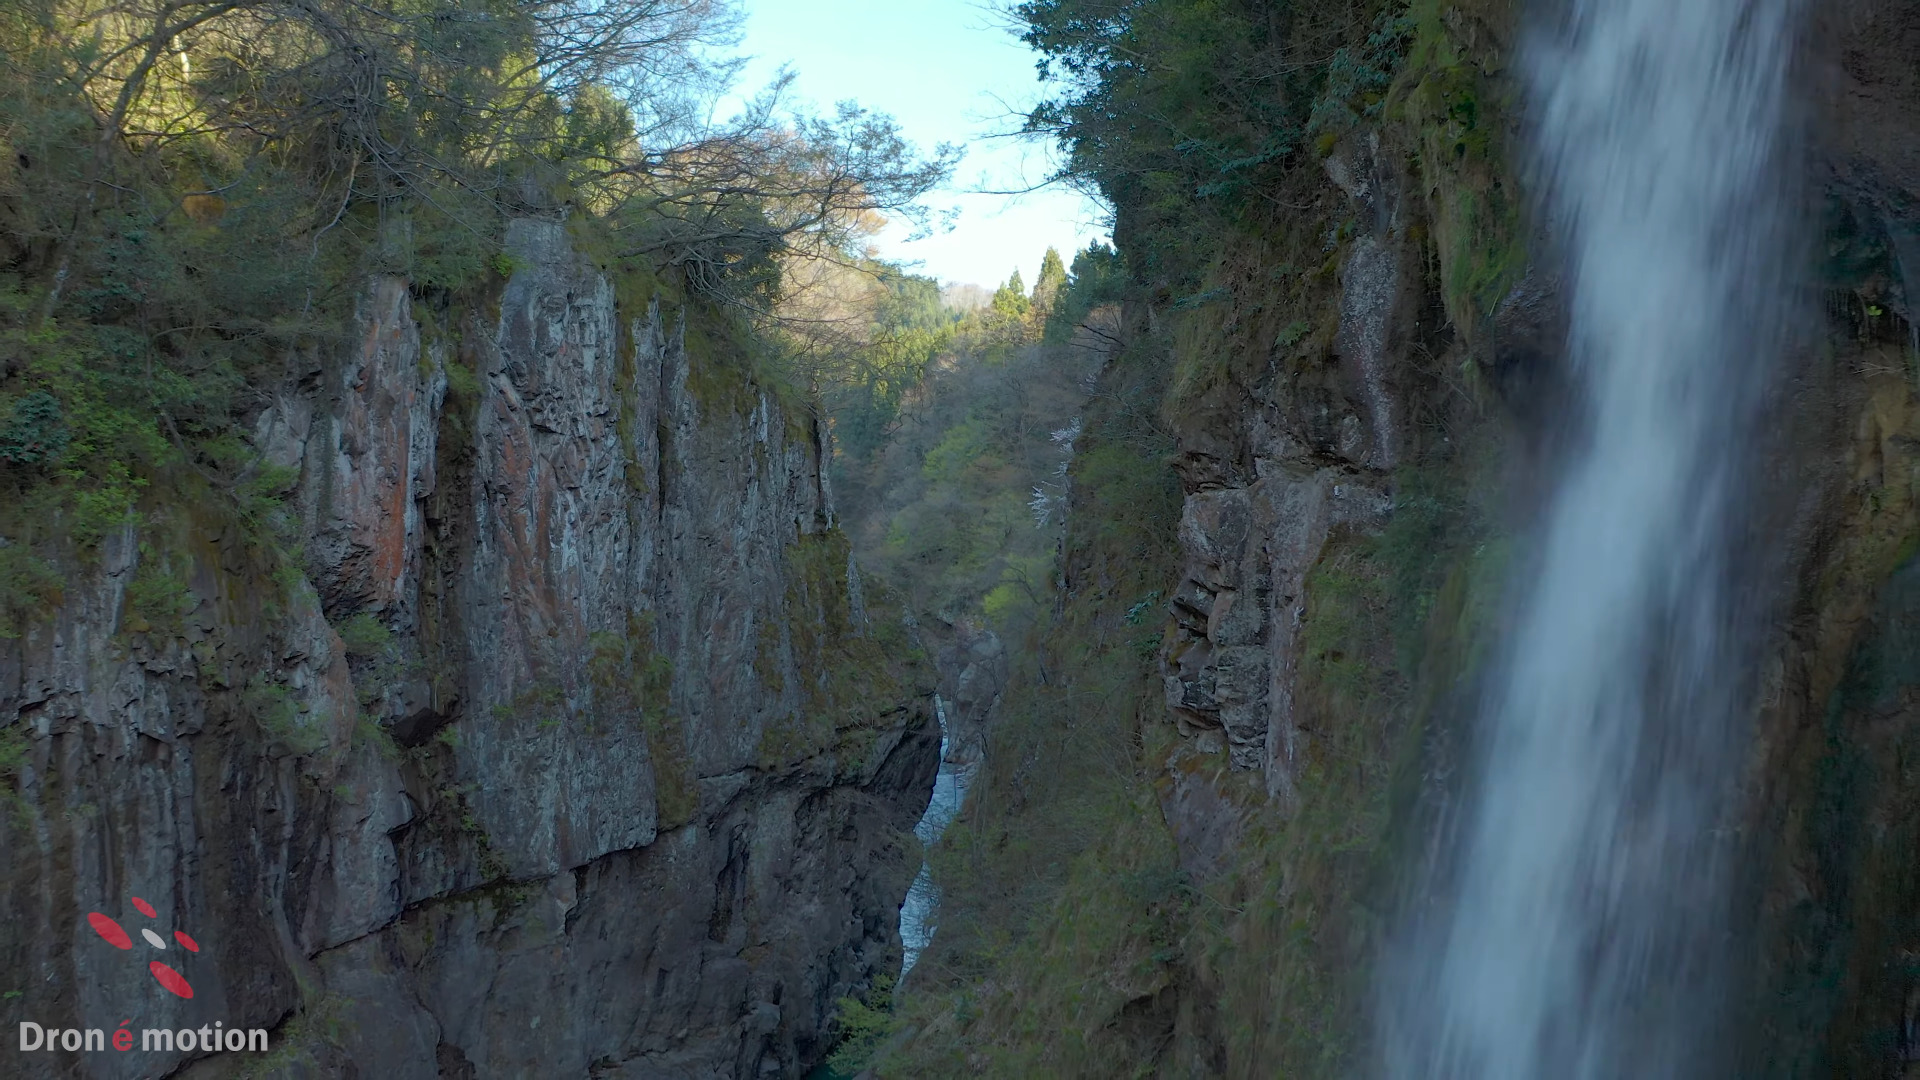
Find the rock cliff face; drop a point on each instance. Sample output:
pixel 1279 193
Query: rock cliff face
pixel 1273 471
pixel 972 663
pixel 563 750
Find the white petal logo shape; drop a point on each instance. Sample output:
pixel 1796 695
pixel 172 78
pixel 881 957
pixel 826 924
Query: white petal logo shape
pixel 116 935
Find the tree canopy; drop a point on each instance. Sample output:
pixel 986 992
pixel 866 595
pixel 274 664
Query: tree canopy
pixel 1188 115
pixel 194 191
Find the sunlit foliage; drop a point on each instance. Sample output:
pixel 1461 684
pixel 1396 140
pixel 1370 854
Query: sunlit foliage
pixel 953 460
pixel 193 194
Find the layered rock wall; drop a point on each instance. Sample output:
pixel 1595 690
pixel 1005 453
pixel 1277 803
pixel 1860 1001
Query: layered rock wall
pixel 546 757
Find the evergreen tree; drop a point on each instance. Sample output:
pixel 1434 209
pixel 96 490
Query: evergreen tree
pixel 1011 299
pixel 1053 277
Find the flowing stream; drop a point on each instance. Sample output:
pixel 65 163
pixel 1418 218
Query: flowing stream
pixel 1575 923
pixel 919 913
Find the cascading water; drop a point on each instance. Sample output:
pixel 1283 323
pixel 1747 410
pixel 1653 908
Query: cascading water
pixel 919 912
pixel 1579 912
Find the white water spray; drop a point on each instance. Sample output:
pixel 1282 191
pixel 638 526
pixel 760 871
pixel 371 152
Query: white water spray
pixel 1578 920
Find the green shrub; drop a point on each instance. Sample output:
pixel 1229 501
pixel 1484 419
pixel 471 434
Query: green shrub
pixel 30 588
pixel 273 709
pixel 463 383
pixel 158 599
pixel 864 1025
pixel 14 746
pixel 544 703
pixel 379 663
pixel 36 432
pixel 366 637
pixel 371 733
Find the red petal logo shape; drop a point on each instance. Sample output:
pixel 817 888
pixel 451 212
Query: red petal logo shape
pixel 186 942
pixel 170 979
pixel 145 908
pixel 110 930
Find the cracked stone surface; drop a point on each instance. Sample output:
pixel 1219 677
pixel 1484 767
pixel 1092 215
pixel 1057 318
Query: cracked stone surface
pixel 523 820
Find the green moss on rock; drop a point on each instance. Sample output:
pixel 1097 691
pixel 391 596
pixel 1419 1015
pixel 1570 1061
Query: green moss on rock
pixel 1457 114
pixel 844 675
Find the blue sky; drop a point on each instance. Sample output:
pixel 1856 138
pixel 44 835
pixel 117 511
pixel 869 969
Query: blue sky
pixel 949 71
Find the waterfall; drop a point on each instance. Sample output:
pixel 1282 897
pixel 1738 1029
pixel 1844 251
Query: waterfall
pixel 1576 918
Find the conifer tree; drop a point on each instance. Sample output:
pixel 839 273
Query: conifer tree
pixel 1011 299
pixel 1053 277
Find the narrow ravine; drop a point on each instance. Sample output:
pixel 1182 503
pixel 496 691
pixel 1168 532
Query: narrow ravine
pixel 1238 539
pixel 1579 935
pixel 919 915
